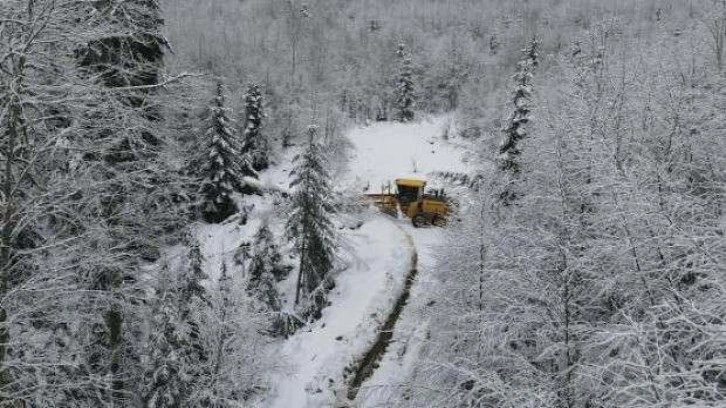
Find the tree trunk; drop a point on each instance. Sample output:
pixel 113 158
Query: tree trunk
pixel 298 286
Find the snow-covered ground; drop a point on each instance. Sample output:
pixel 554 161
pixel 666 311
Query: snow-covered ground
pixel 378 256
pixel 384 152
pixel 410 331
pixel 317 356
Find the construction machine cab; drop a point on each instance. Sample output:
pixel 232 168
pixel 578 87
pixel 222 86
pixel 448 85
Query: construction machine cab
pixel 409 190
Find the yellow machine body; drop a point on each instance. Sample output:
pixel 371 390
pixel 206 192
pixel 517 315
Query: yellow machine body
pixel 410 199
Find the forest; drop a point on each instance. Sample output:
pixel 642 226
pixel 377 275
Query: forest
pixel 180 203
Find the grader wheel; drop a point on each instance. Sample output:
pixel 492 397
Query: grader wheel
pixel 439 221
pixel 419 220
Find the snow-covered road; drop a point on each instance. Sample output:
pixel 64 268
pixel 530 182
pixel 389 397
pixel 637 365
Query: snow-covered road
pixel 378 255
pixel 316 357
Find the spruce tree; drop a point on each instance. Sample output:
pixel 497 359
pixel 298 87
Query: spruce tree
pixel 310 227
pixel 226 362
pixel 254 142
pixel 265 269
pixel 178 357
pixel 405 98
pixel 222 170
pixel 516 126
pixel 266 256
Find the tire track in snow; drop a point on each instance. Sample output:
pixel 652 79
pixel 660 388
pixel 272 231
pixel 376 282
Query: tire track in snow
pixel 368 364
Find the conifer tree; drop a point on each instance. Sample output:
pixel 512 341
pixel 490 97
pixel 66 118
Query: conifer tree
pixel 310 227
pixel 179 364
pixel 516 127
pixel 225 365
pixel 266 256
pixel 405 98
pixel 254 142
pixel 222 171
pixel 265 269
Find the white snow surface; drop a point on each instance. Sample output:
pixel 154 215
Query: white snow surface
pixel 318 355
pixel 384 152
pixel 390 379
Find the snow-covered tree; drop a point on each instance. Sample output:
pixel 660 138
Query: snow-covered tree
pixel 126 56
pixel 76 219
pixel 310 227
pixel 516 128
pixel 162 385
pixel 405 97
pixel 265 269
pixel 178 365
pixel 236 337
pixel 133 54
pixel 254 141
pixel 266 256
pixel 223 173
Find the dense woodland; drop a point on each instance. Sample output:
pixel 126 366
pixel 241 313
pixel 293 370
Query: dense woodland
pixel 589 270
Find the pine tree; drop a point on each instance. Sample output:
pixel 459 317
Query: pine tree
pixel 223 173
pixel 179 358
pixel 254 142
pixel 265 269
pixel 405 98
pixel 161 386
pixel 516 127
pixel 309 225
pixel 224 370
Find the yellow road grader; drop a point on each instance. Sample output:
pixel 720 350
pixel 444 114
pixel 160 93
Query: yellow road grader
pixel 410 199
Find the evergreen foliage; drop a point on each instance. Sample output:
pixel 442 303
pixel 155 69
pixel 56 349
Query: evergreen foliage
pixel 405 98
pixel 265 269
pixel 178 354
pixel 254 141
pixel 266 256
pixel 310 227
pixel 222 171
pixel 516 129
